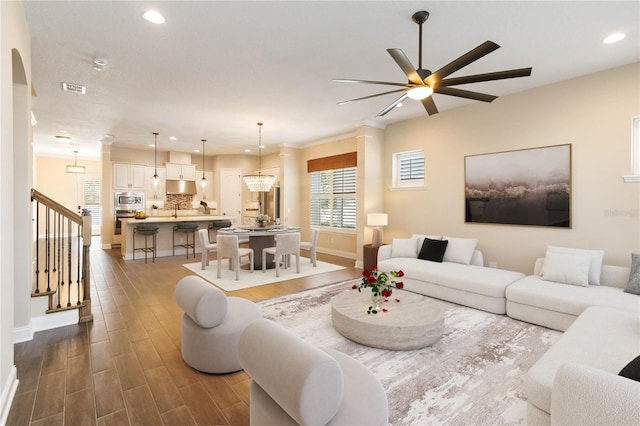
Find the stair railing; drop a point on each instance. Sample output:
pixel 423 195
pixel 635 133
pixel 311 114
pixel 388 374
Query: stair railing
pixel 62 253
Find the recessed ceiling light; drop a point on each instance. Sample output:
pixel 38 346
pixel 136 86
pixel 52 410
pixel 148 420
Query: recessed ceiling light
pixel 196 150
pixel 247 150
pixel 154 17
pixel 613 38
pixel 152 145
pixel 172 138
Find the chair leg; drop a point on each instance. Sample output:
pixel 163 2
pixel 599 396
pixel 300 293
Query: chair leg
pixel 313 257
pixel 278 265
pixel 219 260
pixel 145 248
pixel 237 267
pixel 205 256
pixel 264 261
pixel 298 263
pixel 251 261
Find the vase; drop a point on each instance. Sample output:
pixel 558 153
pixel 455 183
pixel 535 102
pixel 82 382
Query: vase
pixel 377 300
pixel 261 224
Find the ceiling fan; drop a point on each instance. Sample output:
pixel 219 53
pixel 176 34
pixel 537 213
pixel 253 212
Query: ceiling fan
pixel 423 83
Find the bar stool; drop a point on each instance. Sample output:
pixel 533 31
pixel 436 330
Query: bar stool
pixel 146 230
pixel 215 225
pixel 187 229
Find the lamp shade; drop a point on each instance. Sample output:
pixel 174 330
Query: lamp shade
pixel 377 219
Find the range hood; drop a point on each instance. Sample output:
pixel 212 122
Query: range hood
pixel 187 187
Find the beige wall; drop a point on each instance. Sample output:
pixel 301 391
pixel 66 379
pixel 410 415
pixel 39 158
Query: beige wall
pixel 593 113
pixel 53 181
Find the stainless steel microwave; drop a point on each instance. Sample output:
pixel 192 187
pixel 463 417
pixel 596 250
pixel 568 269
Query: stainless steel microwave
pixel 129 200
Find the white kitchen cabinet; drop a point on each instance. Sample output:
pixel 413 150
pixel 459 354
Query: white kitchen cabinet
pixel 129 177
pixel 155 192
pixel 181 171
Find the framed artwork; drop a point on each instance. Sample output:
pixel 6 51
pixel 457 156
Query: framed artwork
pixel 523 187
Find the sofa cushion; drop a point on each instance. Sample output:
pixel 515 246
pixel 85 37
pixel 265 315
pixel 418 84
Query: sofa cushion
pixel 205 304
pixel 471 278
pixel 404 247
pixel 421 238
pixel 570 299
pixel 566 268
pixel 433 250
pixel 632 370
pixel 633 286
pixel 459 250
pixel 596 260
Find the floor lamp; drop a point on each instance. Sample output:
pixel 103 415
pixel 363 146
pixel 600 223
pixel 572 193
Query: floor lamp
pixel 376 220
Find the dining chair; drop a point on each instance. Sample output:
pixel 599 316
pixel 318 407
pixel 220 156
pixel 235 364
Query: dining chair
pixel 311 245
pixel 207 247
pixel 228 248
pixel 286 244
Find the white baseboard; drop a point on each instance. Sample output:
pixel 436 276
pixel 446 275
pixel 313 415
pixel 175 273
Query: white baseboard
pixel 345 254
pixel 22 334
pixel 54 320
pixel 8 392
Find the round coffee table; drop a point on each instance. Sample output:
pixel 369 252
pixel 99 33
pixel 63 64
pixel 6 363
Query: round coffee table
pixel 414 322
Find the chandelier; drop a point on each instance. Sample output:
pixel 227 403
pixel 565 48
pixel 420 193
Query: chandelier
pixel 259 182
pixel 74 168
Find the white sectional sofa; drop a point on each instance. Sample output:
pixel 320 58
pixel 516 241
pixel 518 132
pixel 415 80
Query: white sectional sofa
pixel 599 343
pixel 556 305
pixel 460 278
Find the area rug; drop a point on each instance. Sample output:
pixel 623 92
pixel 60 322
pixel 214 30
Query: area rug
pixel 474 375
pixel 228 282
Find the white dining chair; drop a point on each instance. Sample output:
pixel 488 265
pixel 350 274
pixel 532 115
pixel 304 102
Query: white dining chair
pixel 228 248
pixel 311 245
pixel 207 247
pixel 286 244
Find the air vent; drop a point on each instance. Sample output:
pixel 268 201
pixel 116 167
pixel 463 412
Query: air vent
pixel 74 87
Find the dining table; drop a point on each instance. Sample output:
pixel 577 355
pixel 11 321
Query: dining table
pixel 260 237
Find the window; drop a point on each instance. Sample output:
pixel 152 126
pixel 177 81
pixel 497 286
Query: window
pixel 333 198
pixel 635 151
pixel 408 169
pixel 92 202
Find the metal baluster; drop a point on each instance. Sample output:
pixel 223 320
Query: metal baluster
pixel 70 239
pixel 61 265
pixel 79 261
pixel 48 256
pixel 37 247
pixel 58 253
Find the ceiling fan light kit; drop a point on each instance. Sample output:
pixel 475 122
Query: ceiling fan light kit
pixel 422 83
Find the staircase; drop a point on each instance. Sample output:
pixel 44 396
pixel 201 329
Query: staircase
pixel 61 256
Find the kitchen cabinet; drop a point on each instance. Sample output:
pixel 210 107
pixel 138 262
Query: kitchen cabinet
pixel 155 192
pixel 181 171
pixel 128 177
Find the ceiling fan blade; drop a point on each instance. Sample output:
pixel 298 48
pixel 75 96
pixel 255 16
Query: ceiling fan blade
pixel 464 60
pixel 465 94
pixel 500 75
pixel 371 96
pixel 392 105
pixel 405 64
pixel 429 105
pixel 385 83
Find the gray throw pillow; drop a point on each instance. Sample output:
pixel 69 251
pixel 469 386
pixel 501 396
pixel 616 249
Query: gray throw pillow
pixel 634 277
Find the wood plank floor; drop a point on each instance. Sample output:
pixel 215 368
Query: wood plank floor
pixel 125 368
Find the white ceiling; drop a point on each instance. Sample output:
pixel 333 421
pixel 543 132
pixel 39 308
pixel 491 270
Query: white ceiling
pixel 215 69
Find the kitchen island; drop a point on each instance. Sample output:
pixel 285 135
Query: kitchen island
pixel 164 238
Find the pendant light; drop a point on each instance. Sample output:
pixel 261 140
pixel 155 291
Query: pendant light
pixel 156 178
pixel 75 169
pixel 259 182
pixel 203 182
